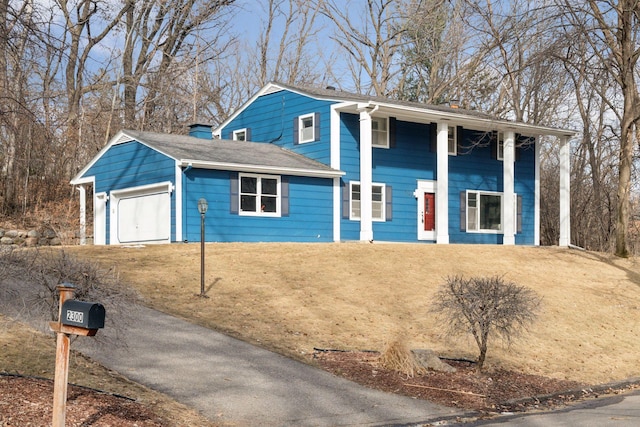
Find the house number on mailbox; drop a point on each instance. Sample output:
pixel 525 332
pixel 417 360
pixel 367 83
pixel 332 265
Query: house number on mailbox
pixel 75 316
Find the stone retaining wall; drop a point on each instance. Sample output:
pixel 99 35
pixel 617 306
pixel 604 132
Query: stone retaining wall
pixel 45 237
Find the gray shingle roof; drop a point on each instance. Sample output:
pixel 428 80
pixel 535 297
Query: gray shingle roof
pixel 227 152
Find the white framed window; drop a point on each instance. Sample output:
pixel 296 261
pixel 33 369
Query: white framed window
pixel 306 129
pixel 500 146
pixel 260 195
pixel 484 211
pixel 378 199
pixel 380 132
pixel 452 140
pixel 240 135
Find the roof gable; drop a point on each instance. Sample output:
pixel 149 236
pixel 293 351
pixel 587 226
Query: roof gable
pixel 218 154
pixel 412 111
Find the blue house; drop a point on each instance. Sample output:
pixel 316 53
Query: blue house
pixel 300 164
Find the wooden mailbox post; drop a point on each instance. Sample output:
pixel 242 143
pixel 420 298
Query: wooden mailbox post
pixel 74 318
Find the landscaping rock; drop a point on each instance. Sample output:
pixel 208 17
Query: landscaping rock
pixel 430 360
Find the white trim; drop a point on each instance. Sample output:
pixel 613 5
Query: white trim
pixel 565 193
pixel 366 173
pixel 383 201
pixel 100 218
pixel 276 170
pixel 425 186
pixel 335 123
pixel 442 185
pixel 480 193
pixel 508 220
pixel 258 195
pixel 179 205
pixel 301 128
pixel 235 133
pixel 142 190
pixel 83 214
pixel 384 120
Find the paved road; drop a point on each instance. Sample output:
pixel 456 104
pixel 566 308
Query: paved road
pixel 617 411
pixel 230 380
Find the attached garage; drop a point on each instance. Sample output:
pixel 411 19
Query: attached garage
pixel 141 214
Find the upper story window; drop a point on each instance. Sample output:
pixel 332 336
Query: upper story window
pixel 240 135
pixel 306 129
pixel 259 195
pixel 452 140
pixel 379 132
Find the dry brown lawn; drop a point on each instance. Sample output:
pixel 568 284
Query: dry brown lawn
pixel 353 296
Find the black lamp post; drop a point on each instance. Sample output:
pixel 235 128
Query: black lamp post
pixel 202 208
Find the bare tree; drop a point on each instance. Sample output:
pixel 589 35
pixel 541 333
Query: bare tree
pixel 371 42
pixel 612 31
pixel 485 306
pixel 162 40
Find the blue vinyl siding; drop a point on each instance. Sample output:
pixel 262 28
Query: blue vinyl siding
pixel 476 169
pixel 308 219
pixel 270 118
pixel 132 164
pixel 399 167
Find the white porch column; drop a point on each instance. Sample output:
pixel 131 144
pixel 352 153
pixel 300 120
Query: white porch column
pixel 508 191
pixel 442 184
pixel 83 214
pixel 565 192
pixel 366 173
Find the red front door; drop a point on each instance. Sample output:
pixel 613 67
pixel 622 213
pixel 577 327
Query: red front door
pixel 429 219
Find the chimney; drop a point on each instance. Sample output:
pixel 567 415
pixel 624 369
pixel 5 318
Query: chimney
pixel 199 130
pixel 454 103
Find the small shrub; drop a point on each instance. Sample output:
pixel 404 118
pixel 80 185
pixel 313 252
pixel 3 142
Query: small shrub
pixel 485 307
pixel 397 356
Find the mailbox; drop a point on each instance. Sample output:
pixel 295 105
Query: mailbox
pixel 88 315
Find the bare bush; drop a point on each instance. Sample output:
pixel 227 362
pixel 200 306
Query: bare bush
pixel 485 306
pixel 30 279
pixel 397 356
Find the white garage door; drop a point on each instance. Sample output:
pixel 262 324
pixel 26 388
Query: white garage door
pixel 142 216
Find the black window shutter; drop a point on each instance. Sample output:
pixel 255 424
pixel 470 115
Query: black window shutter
pixel 247 135
pixel 459 140
pixel 517 147
pixel 494 145
pixel 463 211
pixel 433 133
pixel 346 189
pixel 316 127
pixel 284 196
pixel 234 207
pixel 296 131
pixel 392 132
pixel 519 215
pixel 388 203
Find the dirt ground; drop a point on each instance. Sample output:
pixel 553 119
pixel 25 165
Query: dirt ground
pixel 295 298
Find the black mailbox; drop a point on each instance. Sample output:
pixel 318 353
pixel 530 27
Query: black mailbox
pixel 88 315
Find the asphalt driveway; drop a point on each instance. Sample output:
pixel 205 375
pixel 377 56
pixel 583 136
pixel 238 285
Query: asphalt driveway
pixel 229 380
